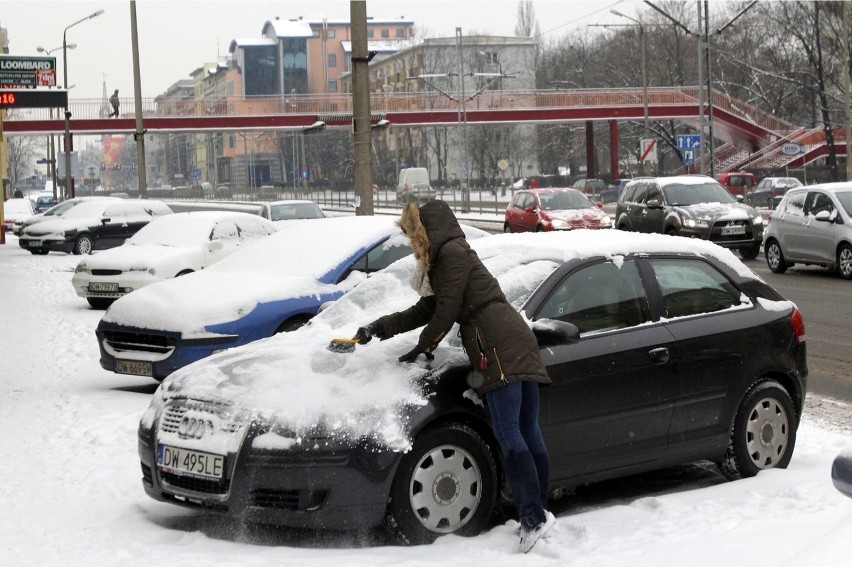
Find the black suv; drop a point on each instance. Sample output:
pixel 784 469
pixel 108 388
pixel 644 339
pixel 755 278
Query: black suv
pixel 696 206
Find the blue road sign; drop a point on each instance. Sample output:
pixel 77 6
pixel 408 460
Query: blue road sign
pixel 45 160
pixel 689 142
pixel 688 157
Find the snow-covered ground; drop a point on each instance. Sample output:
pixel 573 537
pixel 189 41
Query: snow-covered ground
pixel 71 491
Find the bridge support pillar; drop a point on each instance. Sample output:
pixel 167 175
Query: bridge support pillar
pixel 613 149
pixel 591 170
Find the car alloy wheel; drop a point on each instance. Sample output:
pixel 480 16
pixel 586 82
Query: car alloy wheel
pixel 764 432
pixel 774 257
pixel 445 484
pixel 83 245
pixel 844 262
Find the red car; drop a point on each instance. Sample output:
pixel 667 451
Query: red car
pixel 537 210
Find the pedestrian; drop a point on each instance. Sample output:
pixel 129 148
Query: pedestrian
pixel 534 183
pixel 18 194
pixel 113 100
pixel 454 286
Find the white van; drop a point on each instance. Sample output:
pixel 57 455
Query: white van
pixel 414 185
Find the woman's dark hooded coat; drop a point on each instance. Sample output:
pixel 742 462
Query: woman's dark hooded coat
pixel 498 341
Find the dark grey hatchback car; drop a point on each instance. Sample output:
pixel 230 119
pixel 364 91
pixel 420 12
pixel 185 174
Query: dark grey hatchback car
pixel 662 351
pixel 696 206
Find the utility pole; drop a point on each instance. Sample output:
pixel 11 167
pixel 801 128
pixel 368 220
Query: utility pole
pixel 847 79
pixel 363 168
pixel 139 134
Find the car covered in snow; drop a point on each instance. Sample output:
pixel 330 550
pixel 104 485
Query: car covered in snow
pixel 16 212
pixel 91 225
pixel 542 210
pixel 662 351
pixel 695 206
pixel 167 247
pixel 54 212
pixel 278 284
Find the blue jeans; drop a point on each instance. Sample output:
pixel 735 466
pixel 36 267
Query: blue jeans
pixel 514 418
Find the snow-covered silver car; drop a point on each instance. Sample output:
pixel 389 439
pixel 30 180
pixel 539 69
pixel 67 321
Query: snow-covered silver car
pixel 812 225
pixel 167 247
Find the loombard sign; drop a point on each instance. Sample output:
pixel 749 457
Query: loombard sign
pixel 24 72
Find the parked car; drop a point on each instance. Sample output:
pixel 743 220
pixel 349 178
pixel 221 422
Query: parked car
pixel 44 202
pixel 613 190
pixel 591 187
pixel 738 183
pixel 91 225
pixel 662 351
pixel 272 210
pixel 294 209
pixel 841 472
pixel 167 247
pixel 277 284
pixel 419 192
pixel 812 225
pixel 16 212
pixel 53 212
pixel 690 205
pixel 541 210
pixel 768 188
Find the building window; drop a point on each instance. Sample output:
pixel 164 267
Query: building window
pixel 331 34
pixel 400 32
pixel 369 33
pixel 232 140
pixel 385 33
pixel 332 60
pixel 332 85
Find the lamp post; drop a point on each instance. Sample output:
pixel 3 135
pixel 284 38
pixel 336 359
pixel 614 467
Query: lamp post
pixel 51 146
pixel 644 73
pixel 69 144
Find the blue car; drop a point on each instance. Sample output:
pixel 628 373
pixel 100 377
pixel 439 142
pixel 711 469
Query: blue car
pixel 276 284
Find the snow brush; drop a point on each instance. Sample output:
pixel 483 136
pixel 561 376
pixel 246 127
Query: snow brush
pixel 342 346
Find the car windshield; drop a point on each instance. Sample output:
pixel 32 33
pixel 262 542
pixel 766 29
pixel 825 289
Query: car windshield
pixel 595 184
pixel 845 198
pixel 291 211
pixel 682 195
pixel 563 201
pixel 60 209
pixel 787 182
pixel 87 209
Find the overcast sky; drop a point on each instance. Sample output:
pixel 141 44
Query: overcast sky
pixel 175 37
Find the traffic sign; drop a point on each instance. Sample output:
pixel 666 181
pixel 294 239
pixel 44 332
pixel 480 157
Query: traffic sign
pixel 44 161
pixel 688 157
pixel 502 164
pixel 689 142
pixel 649 150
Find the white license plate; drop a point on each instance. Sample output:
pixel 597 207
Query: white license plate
pixel 103 286
pixel 34 243
pixel 729 230
pixel 134 367
pixel 185 462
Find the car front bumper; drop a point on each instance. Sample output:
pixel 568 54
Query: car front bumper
pixel 125 282
pixel 344 489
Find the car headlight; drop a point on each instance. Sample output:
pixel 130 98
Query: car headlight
pixel 758 220
pixel 558 223
pixel 696 223
pixel 606 221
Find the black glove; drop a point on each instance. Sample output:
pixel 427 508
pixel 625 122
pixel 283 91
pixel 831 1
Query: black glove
pixel 374 329
pixel 412 355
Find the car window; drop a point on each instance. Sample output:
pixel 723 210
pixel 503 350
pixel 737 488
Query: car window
pixel 564 200
pixel 225 230
pixel 653 193
pixel 641 192
pixel 845 199
pixel 253 228
pixel 629 192
pixel 817 202
pixel 600 297
pixel 691 287
pixel 796 203
pixel 379 257
pixel 291 211
pixel 693 194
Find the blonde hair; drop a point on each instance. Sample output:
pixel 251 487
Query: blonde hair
pixel 411 226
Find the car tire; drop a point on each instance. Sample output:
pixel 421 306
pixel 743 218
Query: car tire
pixel 291 325
pixel 671 231
pixel 447 483
pixel 750 253
pixel 539 228
pixel 764 432
pixel 775 258
pixel 100 302
pixel 83 245
pixel 507 228
pixel 844 261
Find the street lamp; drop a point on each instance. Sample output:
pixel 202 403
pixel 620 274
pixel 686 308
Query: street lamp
pixel 51 146
pixel 69 180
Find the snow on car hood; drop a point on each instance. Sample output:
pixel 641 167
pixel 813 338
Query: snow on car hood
pixel 138 257
pixel 577 214
pixel 717 211
pixel 294 383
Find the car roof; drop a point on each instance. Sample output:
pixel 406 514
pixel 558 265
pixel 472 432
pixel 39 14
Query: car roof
pixel 678 179
pixel 834 187
pixel 550 190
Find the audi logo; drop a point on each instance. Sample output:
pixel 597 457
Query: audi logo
pixel 195 428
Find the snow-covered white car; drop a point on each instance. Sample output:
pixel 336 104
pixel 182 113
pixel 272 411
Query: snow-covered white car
pixel 55 211
pixel 92 225
pixel 167 247
pixel 16 211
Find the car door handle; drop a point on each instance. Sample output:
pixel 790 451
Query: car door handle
pixel 659 355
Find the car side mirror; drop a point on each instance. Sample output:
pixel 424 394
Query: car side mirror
pixel 654 204
pixel 530 210
pixel 105 220
pixel 215 246
pixel 599 204
pixel 551 332
pixel 825 216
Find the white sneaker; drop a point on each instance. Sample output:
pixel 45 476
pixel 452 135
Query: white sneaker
pixel 529 537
